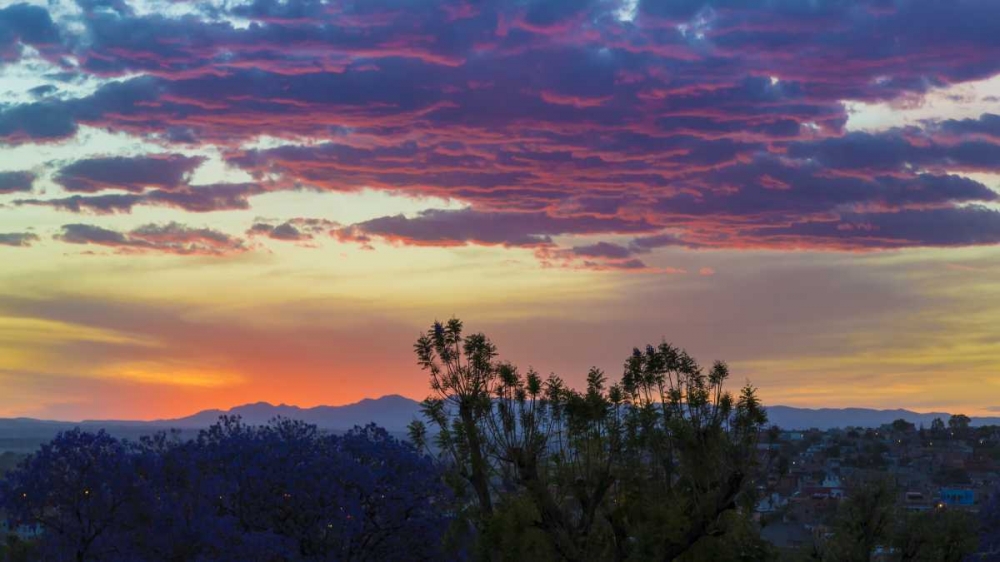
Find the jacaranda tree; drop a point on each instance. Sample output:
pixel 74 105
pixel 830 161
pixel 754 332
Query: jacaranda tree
pixel 284 491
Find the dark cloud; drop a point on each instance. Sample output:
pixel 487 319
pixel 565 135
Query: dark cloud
pixel 437 227
pixel 195 199
pixel 773 190
pixel 42 91
pixel 170 238
pixel 134 174
pixel 18 239
pixel 89 234
pixel 97 204
pixel 893 151
pixel 602 250
pixel 14 182
pixel 649 243
pixel 293 230
pixel 206 198
pixel 963 226
pixel 987 125
pixel 37 121
pixel 25 24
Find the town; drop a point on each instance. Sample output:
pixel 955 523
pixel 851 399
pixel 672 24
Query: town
pixel 807 474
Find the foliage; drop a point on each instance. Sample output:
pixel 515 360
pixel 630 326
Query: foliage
pixel 864 522
pixel 868 526
pixel 937 428
pixel 989 540
pixel 654 466
pixel 283 491
pixel 959 423
pixel 13 549
pixel 9 460
pixel 939 535
pixel 903 426
pixel 951 476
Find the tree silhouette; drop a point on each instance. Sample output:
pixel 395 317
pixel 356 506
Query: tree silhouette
pixel 647 468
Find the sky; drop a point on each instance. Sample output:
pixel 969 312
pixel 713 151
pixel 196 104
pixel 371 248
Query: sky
pixel 208 203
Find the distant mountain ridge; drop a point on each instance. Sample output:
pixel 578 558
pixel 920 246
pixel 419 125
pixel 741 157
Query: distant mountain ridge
pixel 392 412
pixel 395 412
pixel 828 418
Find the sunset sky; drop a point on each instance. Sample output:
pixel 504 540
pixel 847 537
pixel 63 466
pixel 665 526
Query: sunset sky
pixel 209 203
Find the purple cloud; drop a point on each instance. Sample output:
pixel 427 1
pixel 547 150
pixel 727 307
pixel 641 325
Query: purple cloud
pixel 988 125
pixel 18 239
pixel 134 174
pixel 722 122
pixel 195 199
pixel 171 238
pixel 23 24
pixel 293 230
pixel 946 227
pixel 437 227
pixel 14 182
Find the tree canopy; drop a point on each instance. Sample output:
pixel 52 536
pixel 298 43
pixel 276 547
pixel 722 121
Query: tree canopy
pixel 282 491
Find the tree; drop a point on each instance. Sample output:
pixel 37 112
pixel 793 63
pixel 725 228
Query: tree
pixel 462 374
pixel 939 535
pixel 959 425
pixel 283 491
pixel 655 466
pixel 937 428
pixel 864 522
pixel 76 488
pixel 902 426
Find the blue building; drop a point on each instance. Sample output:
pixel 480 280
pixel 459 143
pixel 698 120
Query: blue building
pixel 958 497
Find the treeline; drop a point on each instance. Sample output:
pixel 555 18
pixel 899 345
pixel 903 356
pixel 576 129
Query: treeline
pixel 660 464
pixel 236 493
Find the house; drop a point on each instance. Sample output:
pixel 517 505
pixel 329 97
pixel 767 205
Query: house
pixel 957 497
pixel 916 501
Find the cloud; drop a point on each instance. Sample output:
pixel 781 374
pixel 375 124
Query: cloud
pixel 170 238
pixel 988 125
pixel 23 24
pixel 602 250
pixel 894 151
pixel 134 174
pixel 948 227
pixel 13 182
pixel 195 199
pixel 293 230
pixel 437 227
pixel 18 239
pixel 37 121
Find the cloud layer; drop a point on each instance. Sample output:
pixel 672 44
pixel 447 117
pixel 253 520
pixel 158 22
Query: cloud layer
pixel 720 124
pixel 169 238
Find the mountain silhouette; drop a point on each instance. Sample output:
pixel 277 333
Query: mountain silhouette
pixel 392 412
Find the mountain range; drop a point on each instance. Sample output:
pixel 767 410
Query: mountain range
pixel 395 412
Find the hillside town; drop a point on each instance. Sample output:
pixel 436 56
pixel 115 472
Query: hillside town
pixel 808 474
